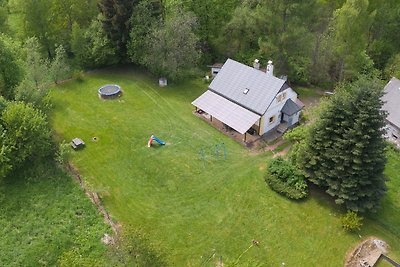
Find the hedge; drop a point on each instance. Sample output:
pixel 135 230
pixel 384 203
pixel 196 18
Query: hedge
pixel 286 179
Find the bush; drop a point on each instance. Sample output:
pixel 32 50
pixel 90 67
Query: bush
pixel 351 221
pixel 286 179
pixel 24 136
pixel 78 76
pixel 304 117
pixel 63 153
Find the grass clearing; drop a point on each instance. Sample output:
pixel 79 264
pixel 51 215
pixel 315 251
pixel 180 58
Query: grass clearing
pixel 189 209
pixel 308 91
pixel 44 215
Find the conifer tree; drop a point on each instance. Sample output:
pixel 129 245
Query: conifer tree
pixel 345 149
pixel 116 15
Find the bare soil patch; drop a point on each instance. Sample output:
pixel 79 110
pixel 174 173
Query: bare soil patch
pixel 367 253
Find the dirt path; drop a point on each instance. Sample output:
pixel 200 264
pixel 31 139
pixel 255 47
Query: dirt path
pixel 256 150
pixel 281 153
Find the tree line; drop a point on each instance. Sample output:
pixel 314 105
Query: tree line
pixel 24 83
pixel 312 41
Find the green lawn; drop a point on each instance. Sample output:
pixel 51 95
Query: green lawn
pixel 45 218
pixel 308 92
pixel 189 208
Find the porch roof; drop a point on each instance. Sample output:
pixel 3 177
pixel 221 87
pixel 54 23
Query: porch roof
pixel 290 107
pixel 231 114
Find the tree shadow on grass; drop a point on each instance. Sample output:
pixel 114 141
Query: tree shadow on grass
pixel 323 198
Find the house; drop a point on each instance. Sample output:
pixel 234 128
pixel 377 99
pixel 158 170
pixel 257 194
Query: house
pixel 247 98
pixel 392 106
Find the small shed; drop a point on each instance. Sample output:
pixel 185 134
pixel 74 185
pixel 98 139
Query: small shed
pixel 215 68
pixel 162 82
pixel 77 143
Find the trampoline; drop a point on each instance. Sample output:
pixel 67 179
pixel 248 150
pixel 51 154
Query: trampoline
pixel 109 91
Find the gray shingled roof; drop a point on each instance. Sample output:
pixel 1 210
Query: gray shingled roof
pixel 290 107
pixel 234 78
pixel 392 99
pixel 231 114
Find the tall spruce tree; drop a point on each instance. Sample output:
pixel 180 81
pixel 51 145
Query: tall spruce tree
pixel 116 15
pixel 344 151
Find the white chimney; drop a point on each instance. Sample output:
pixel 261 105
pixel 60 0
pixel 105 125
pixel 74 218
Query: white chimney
pixel 270 68
pixel 256 64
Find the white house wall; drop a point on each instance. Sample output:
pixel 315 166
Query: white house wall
pixel 275 110
pixel 215 70
pixel 296 118
pixel 392 132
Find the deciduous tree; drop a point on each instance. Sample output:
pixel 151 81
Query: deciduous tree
pixel 25 134
pixel 64 13
pixel 146 16
pixel 59 67
pixel 384 33
pixel 10 69
pixel 5 161
pixel 35 16
pixel 3 16
pixel 34 87
pixel 350 38
pixel 91 46
pixel 172 46
pixel 393 67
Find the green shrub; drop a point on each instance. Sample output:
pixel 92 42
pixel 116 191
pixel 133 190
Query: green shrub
pixel 351 221
pixel 78 76
pixel 286 179
pixel 304 117
pixel 64 153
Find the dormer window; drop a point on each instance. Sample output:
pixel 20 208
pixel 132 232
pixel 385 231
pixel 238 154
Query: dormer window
pixel 246 91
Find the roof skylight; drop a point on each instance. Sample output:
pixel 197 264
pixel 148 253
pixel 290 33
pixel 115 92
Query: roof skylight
pixel 246 91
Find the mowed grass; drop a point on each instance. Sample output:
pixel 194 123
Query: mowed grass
pixel 193 211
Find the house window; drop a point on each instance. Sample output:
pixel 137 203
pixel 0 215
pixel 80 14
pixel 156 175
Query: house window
pixel 272 120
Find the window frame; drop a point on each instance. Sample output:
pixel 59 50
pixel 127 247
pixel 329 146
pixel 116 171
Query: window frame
pixel 272 119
